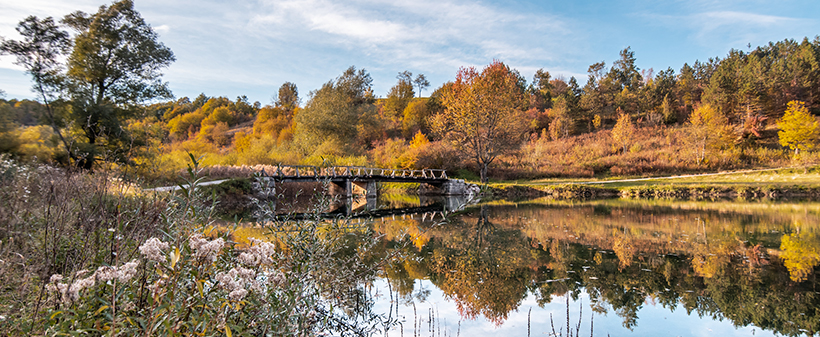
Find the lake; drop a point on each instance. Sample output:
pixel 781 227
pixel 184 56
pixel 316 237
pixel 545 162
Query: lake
pixel 615 267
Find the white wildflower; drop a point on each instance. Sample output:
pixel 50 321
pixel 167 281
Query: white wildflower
pixel 106 273
pixel 277 279
pixel 153 249
pixel 238 294
pixel 259 253
pixel 127 271
pixel 204 249
pixel 236 280
pixel 57 288
pixel 56 278
pixel 73 293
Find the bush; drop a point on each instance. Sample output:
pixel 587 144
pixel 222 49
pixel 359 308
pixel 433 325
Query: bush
pixel 113 272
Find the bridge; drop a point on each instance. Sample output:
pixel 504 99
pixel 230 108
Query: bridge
pixel 357 178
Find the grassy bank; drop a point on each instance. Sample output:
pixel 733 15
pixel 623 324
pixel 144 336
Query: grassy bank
pixel 802 182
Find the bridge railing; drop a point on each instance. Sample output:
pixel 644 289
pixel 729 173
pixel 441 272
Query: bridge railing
pixel 305 171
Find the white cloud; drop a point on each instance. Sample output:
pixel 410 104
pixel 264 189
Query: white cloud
pixel 162 28
pixel 426 34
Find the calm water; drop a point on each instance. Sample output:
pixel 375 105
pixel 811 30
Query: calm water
pixel 613 267
pixel 608 267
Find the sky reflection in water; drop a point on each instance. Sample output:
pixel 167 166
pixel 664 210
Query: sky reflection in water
pixel 635 259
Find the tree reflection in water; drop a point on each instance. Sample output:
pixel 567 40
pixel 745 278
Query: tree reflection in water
pixel 750 267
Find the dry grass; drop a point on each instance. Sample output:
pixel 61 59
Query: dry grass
pixel 653 151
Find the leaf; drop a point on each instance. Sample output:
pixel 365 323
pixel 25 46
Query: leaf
pixel 174 257
pixel 199 286
pixel 228 330
pixel 55 314
pixel 100 310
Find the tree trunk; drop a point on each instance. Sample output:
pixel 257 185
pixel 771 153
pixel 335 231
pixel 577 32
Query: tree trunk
pixel 484 178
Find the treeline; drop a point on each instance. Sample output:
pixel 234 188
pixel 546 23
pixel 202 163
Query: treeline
pixel 719 114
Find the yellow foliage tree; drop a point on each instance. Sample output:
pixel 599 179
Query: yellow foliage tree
pixel 623 131
pixel 801 253
pixel 799 130
pixel 708 128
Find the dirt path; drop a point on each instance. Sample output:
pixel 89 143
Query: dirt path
pixel 176 187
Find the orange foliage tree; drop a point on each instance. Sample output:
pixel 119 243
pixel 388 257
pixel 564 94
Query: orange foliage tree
pixel 483 114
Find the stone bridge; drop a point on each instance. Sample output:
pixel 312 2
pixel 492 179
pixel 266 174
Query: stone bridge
pixel 361 180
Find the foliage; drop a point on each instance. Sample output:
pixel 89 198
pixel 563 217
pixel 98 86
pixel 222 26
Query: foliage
pixel 562 124
pixel 399 95
pixel 39 53
pixel 801 253
pixel 623 131
pixel 483 114
pixel 288 96
pixel 334 113
pixel 799 130
pixel 708 128
pixel 133 265
pixel 415 118
pixel 114 65
pixel 58 221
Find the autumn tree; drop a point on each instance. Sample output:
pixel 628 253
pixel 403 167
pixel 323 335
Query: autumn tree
pixel 399 95
pixel 483 113
pixel 115 65
pixel 288 96
pixel 415 117
pixel 336 113
pixel 562 122
pixel 707 128
pixel 799 129
pixel 623 131
pixel 801 253
pixel 39 52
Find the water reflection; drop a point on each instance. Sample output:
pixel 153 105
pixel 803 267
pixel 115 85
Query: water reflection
pixel 652 267
pixel 360 206
pixel 747 263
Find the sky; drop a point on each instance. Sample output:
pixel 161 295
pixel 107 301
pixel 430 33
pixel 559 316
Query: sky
pixel 233 48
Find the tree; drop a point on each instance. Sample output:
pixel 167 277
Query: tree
pixel 483 113
pixel 334 112
pixel 421 82
pixel 623 130
pixel 707 128
pixel 562 123
pixel 399 95
pixel 415 117
pixel 288 96
pixel 540 90
pixel 115 65
pixel 799 130
pixel 39 52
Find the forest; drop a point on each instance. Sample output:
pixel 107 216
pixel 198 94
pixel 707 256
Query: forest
pixel 748 109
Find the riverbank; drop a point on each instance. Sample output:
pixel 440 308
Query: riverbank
pixel 787 183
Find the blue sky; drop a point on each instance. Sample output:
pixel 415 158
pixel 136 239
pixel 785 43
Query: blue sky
pixel 226 48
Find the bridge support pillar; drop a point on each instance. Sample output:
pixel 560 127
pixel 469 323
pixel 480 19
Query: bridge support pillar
pixel 348 185
pixel 370 187
pixel 453 187
pixel 265 186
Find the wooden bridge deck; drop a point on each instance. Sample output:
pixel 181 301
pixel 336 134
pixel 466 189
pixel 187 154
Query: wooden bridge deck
pixel 298 173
